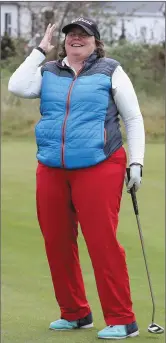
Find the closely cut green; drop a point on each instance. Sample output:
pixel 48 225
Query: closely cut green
pixel 28 302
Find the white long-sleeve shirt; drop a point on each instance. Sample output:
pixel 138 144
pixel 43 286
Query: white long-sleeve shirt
pixel 26 82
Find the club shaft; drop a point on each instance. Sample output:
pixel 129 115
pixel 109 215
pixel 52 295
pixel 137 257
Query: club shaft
pixel 146 265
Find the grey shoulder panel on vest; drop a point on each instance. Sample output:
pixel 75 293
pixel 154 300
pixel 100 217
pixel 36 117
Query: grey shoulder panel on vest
pixel 48 66
pixel 53 68
pixel 102 65
pixel 108 65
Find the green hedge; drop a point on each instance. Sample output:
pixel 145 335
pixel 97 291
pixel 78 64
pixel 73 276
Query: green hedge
pixel 144 64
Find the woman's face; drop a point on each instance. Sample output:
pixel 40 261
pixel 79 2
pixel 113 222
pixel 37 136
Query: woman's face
pixel 79 44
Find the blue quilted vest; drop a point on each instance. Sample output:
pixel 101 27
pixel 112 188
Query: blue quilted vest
pixel 79 125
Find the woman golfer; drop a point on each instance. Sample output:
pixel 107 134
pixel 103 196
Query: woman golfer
pixel 81 170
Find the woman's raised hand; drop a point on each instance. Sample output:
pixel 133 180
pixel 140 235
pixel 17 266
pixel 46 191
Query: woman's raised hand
pixel 45 43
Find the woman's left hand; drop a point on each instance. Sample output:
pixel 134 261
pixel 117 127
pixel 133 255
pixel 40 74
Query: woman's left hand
pixel 135 177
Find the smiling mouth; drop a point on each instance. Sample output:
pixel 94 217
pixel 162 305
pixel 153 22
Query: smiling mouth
pixel 76 45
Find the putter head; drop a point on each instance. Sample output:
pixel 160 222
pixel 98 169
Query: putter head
pixel 155 328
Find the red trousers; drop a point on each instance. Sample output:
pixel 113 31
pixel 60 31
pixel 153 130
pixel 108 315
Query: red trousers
pixel 91 196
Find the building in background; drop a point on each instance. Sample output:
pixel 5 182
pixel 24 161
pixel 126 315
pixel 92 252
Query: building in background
pixel 135 21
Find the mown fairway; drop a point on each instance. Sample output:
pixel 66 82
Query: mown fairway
pixel 28 303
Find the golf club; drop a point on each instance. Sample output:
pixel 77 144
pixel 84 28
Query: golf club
pixel 153 328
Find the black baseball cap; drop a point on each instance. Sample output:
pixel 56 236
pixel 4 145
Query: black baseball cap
pixel 88 25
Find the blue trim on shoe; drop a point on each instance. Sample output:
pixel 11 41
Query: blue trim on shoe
pixel 63 324
pixel 119 331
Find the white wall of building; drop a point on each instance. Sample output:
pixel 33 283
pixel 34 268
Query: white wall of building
pixel 138 28
pixel 13 10
pixel 20 17
pixel 25 23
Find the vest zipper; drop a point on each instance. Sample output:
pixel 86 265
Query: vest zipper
pixel 105 136
pixel 66 116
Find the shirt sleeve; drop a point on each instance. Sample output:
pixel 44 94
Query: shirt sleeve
pixel 26 80
pixel 127 104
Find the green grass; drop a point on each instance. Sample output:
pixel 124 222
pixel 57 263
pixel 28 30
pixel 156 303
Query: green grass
pixel 28 303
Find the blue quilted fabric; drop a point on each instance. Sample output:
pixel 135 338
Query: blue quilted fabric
pixel 73 126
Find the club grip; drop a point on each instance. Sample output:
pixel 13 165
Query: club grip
pixel 133 194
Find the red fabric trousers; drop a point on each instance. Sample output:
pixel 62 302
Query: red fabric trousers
pixel 91 196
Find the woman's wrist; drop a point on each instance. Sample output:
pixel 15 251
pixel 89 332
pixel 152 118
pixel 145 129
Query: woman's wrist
pixel 41 50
